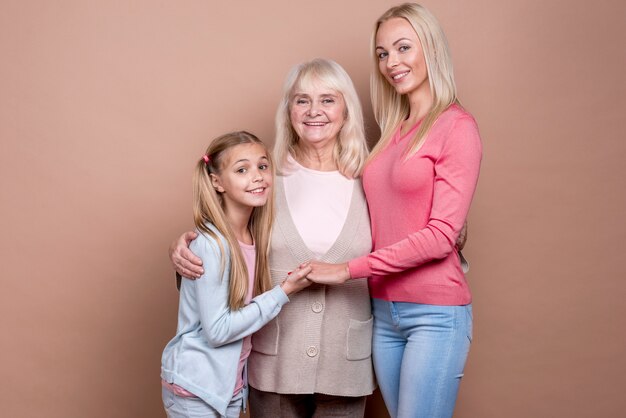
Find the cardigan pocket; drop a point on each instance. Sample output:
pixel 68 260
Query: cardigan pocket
pixel 360 339
pixel 265 340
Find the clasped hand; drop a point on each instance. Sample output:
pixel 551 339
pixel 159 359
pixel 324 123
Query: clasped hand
pixel 326 273
pixel 190 266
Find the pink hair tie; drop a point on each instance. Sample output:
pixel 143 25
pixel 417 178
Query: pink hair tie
pixel 207 159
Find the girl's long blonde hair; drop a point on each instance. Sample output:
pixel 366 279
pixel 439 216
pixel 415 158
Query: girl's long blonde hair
pixel 350 152
pixel 208 207
pixel 391 108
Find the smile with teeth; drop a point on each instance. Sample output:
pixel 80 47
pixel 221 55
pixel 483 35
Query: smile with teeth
pixel 400 76
pixel 315 123
pixel 258 190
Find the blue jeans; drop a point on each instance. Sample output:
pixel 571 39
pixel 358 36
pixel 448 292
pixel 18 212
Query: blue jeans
pixel 419 353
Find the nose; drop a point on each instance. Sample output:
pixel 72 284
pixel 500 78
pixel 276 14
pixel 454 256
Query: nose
pixel 257 176
pixel 392 60
pixel 313 110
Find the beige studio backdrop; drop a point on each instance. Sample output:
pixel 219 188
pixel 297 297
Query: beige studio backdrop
pixel 106 105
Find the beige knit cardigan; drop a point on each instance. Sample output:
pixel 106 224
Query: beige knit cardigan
pixel 321 340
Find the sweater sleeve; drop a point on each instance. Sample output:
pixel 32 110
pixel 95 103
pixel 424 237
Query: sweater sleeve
pixel 455 178
pixel 220 324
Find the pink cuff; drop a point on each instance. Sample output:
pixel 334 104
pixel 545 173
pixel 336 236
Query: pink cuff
pixel 359 267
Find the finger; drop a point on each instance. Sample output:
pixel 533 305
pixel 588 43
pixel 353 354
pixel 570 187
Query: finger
pixel 298 274
pixel 193 276
pixel 297 269
pixel 189 236
pixel 187 255
pixel 304 271
pixel 312 279
pixel 188 274
pixel 192 269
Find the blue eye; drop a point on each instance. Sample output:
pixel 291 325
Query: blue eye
pixel 328 101
pixel 404 48
pixel 301 101
pixel 382 55
pixel 241 170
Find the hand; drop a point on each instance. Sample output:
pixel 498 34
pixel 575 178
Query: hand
pixel 325 273
pixel 184 261
pixel 462 238
pixel 296 280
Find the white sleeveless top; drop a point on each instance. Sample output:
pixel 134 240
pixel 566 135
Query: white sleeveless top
pixel 319 202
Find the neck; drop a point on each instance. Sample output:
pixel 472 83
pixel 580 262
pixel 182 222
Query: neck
pixel 319 158
pixel 420 102
pixel 238 219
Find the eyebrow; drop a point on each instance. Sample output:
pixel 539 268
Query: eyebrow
pixel 245 160
pixel 308 95
pixel 399 40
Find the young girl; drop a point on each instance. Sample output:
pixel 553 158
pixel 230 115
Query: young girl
pixel 203 366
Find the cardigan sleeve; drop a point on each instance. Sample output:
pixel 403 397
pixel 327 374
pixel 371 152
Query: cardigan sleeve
pixel 220 324
pixel 455 177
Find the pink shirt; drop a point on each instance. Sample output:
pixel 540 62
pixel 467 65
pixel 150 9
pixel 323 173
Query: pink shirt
pixel 249 256
pixel 417 209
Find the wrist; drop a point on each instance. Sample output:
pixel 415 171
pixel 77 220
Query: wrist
pixel 285 285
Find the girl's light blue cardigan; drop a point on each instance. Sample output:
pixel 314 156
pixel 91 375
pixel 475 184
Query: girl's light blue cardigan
pixel 204 354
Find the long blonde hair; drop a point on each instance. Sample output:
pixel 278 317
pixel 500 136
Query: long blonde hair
pixel 208 207
pixel 350 152
pixel 391 108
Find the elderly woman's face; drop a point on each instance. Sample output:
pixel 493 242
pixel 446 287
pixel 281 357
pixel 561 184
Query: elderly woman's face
pixel 317 114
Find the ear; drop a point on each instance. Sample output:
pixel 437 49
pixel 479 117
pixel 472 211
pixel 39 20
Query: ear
pixel 215 181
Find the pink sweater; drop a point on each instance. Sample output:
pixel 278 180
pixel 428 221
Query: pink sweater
pixel 417 209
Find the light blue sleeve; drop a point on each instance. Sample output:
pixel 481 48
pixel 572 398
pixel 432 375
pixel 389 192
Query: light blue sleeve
pixel 220 324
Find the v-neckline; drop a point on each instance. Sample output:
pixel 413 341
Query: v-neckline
pixel 296 244
pixel 399 136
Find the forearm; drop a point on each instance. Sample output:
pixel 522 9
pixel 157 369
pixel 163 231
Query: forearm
pixel 229 326
pixel 456 171
pixel 428 244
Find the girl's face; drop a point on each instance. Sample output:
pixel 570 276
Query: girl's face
pixel 401 58
pixel 245 178
pixel 317 114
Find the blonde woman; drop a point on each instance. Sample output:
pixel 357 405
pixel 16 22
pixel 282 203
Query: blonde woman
pixel 202 368
pixel 314 359
pixel 419 182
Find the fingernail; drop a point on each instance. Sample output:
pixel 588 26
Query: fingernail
pixel 288 273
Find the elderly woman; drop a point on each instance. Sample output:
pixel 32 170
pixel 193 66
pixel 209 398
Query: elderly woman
pixel 315 357
pixel 419 183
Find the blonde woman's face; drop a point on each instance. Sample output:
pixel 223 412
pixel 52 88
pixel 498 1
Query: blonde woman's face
pixel 401 58
pixel 317 114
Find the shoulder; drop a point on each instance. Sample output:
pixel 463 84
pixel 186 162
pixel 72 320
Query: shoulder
pixel 456 117
pixel 456 127
pixel 208 245
pixel 288 167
